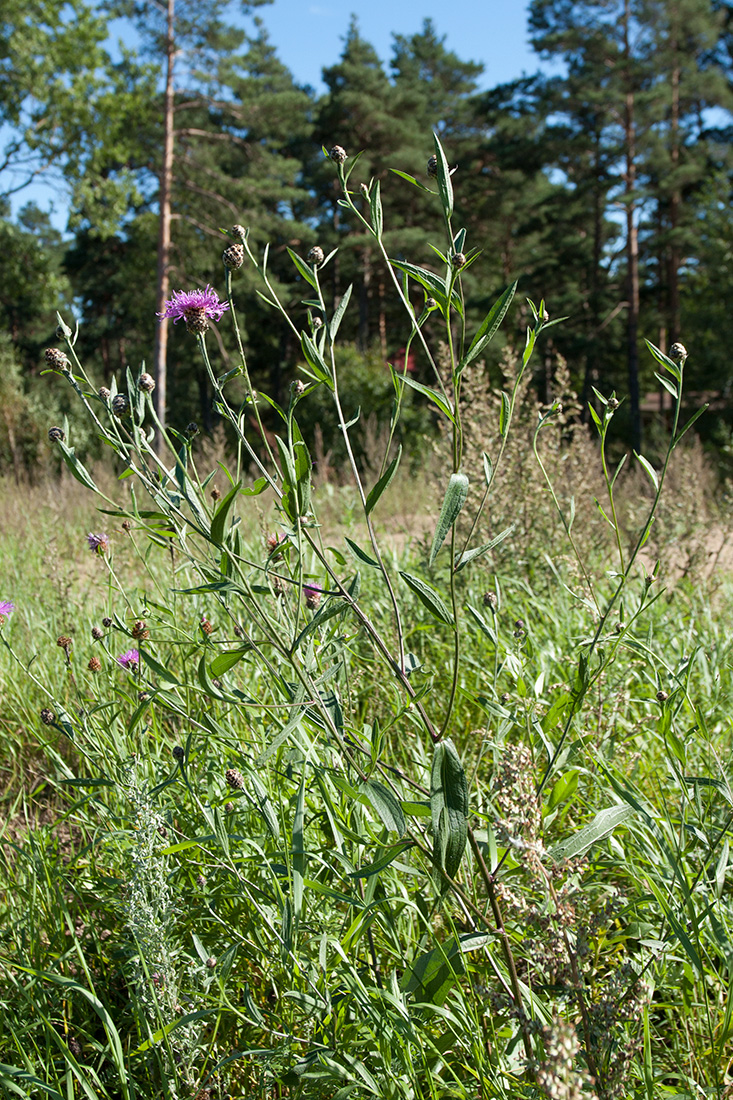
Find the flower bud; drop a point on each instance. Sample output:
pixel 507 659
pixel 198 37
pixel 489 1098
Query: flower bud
pixel 678 351
pixel 179 752
pixel 97 633
pixel 459 259
pixel 239 233
pixel 47 716
pixel 104 393
pixel 146 383
pixel 430 303
pixel 337 154
pixel 119 404
pixel 94 664
pixel 233 257
pixel 56 359
pixel 56 435
pixel 432 166
pixel 315 255
pixel 234 779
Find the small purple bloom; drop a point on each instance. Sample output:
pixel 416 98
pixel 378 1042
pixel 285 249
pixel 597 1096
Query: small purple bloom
pixel 312 593
pixel 6 608
pixel 184 300
pixel 130 660
pixel 98 544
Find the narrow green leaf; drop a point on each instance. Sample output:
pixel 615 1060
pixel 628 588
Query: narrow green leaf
pixel 649 469
pixel 489 325
pixel 448 806
pixel 390 855
pixel 445 187
pixel 432 395
pixel 227 660
pixel 429 597
pixel 298 853
pixel 601 826
pixel 302 267
pixel 218 522
pixel 693 419
pixel 667 385
pixel 78 470
pixel 375 202
pixel 454 499
pixel 432 283
pixel 361 554
pixel 504 414
pixel 386 805
pixel 338 313
pixel 384 482
pixel 463 560
pixel 411 179
pixel 265 806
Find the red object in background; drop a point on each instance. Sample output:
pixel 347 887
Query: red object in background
pixel 399 361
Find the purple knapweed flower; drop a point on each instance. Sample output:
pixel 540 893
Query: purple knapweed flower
pixel 130 660
pixel 313 594
pixel 6 608
pixel 195 307
pixel 98 544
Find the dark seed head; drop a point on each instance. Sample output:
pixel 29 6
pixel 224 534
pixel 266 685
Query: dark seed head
pixel 432 166
pixel 678 351
pixel 179 752
pixel 47 716
pixel 56 435
pixel 120 404
pixel 234 779
pixel 94 664
pixel 97 633
pixel 239 233
pixel 337 154
pixel 106 622
pixel 64 643
pixel 662 696
pixel 459 259
pixel 315 255
pixel 146 383
pixel 104 393
pixel 233 257
pixel 56 359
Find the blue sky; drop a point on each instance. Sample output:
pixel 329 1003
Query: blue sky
pixel 309 35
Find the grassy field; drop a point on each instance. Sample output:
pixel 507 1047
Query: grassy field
pixel 282 933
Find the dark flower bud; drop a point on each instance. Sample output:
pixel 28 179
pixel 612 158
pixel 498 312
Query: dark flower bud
pixel 489 599
pixel 201 881
pixel 179 752
pixel 504 698
pixel 107 622
pixel 64 643
pixel 432 166
pixel 104 393
pixel 233 257
pixel 238 632
pixel 229 807
pixel 317 322
pixel 97 633
pixel 126 525
pixel 94 664
pixel 239 233
pixel 140 630
pixel 216 493
pixel 678 351
pixel 192 428
pixel 119 404
pixel 337 154
pixel 430 303
pixel 315 255
pixel 662 696
pixel 47 716
pixel 234 779
pixel 56 359
pixel 56 435
pixel 146 383
pixel 613 403
pixel 459 259
pixel 206 627
pixel 211 962
pixel 75 1046
pixel 299 388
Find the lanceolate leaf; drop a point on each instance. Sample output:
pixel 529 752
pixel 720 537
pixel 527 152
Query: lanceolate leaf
pixel 386 805
pixel 383 482
pixel 464 559
pixel 218 523
pixel 448 806
pixel 432 283
pixel 445 187
pixel 429 597
pixel 455 498
pixel 601 825
pixel 432 395
pixel 489 325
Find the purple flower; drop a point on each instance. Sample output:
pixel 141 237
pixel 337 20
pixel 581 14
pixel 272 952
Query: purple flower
pixel 98 544
pixel 184 301
pixel 312 593
pixel 130 660
pixel 6 608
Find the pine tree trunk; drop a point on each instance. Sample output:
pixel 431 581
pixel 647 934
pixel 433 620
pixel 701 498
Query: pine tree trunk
pixel 632 243
pixel 164 228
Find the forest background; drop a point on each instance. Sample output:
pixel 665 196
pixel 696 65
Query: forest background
pixel 603 183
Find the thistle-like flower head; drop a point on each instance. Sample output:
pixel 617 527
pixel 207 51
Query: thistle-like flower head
pixel 98 544
pixel 6 608
pixel 130 660
pixel 195 307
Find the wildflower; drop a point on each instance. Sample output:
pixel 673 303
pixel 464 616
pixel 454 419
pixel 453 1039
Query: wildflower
pixel 98 544
pixel 56 359
pixel 315 256
pixel 432 166
pixel 678 351
pixel 312 595
pixel 337 154
pixel 130 659
pixel 104 393
pixel 274 541
pixel 233 257
pixel 662 696
pixel 140 630
pixel 211 962
pixel 489 600
pixel 459 259
pixel 146 383
pixel 298 388
pixel 234 779
pixel 195 307
pixel 192 428
pixel 94 664
pixel 126 525
pixel 107 622
pixel 64 643
pixel 56 435
pixel 206 626
pixel 47 716
pixel 120 404
pixel 6 608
